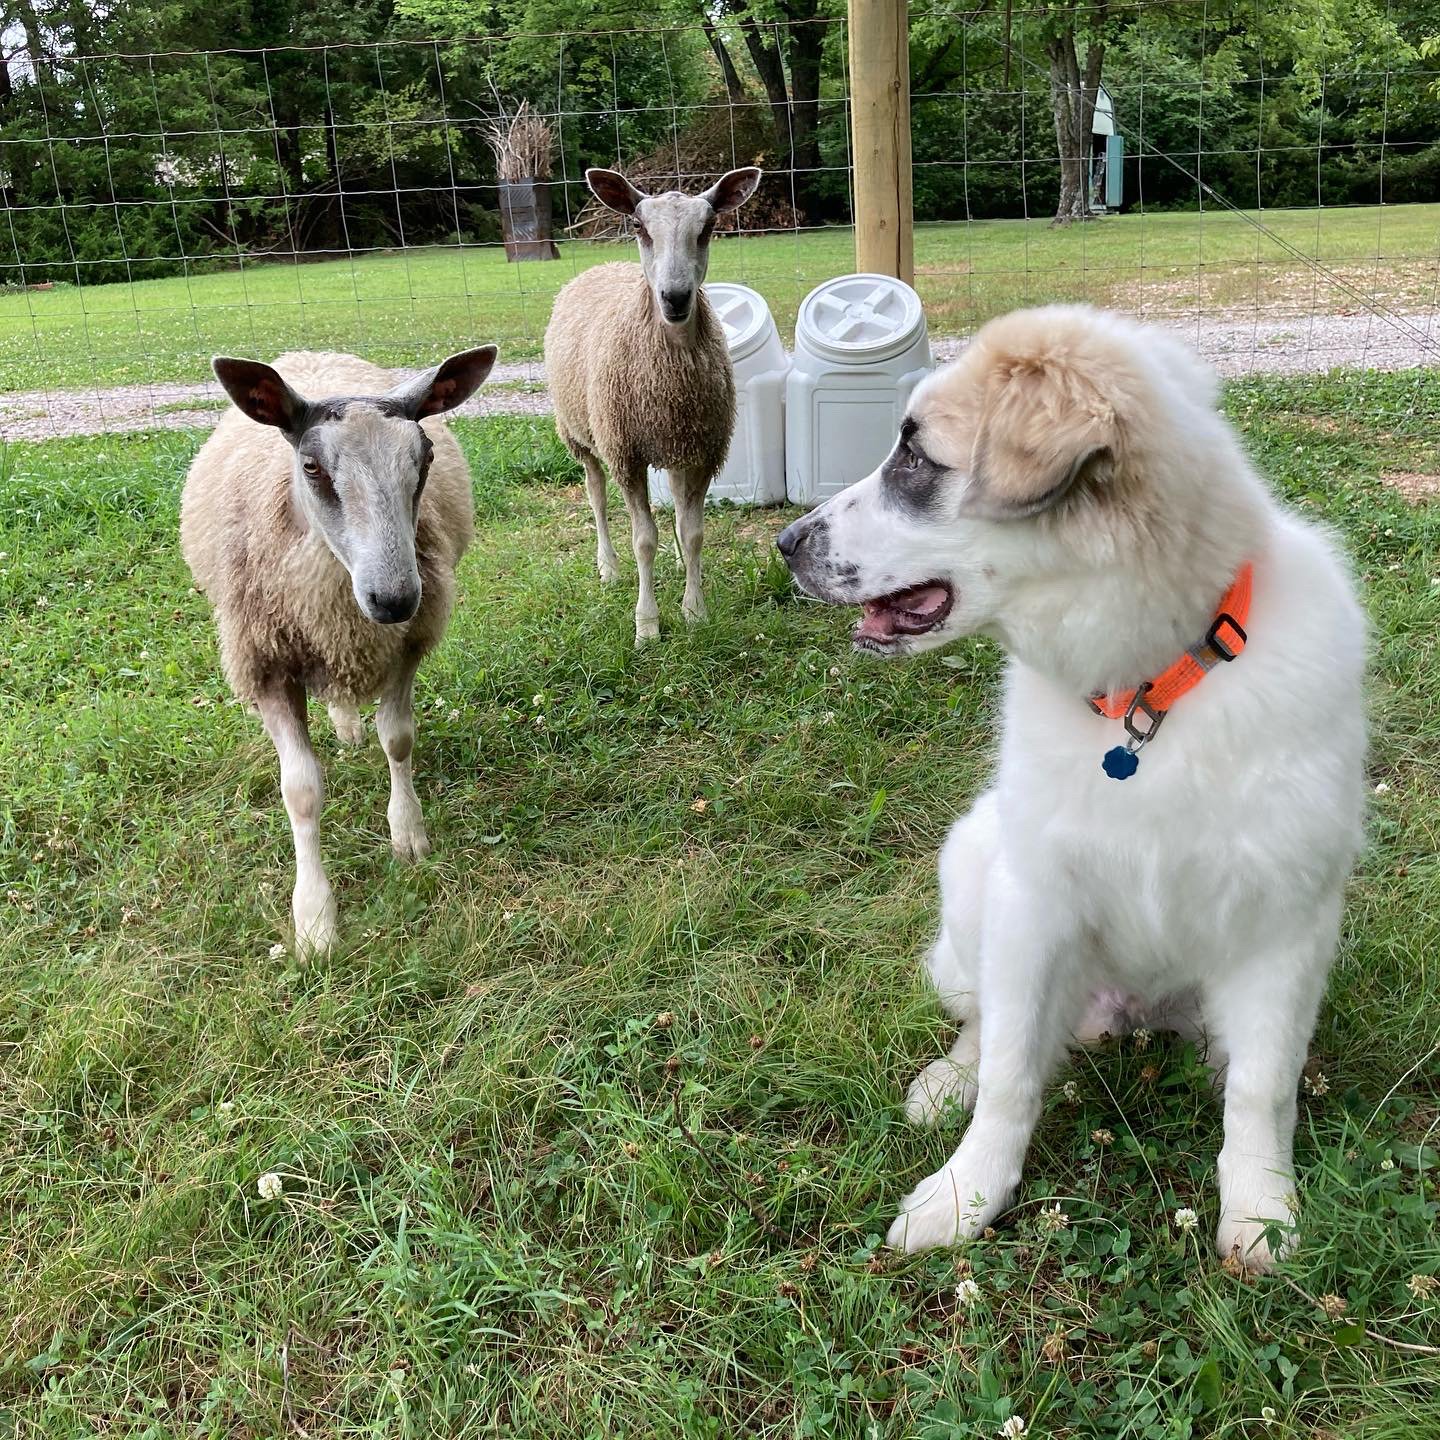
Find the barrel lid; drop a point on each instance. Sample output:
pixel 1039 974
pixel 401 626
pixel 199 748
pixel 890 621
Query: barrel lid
pixel 743 313
pixel 861 318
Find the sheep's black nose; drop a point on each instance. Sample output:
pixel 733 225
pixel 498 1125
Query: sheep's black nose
pixel 676 302
pixel 391 609
pixel 790 539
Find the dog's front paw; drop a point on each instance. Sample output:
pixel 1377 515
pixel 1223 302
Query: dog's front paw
pixel 943 1209
pixel 940 1091
pixel 1256 1244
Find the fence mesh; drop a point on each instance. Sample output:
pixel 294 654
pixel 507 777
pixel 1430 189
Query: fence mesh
pixel 160 207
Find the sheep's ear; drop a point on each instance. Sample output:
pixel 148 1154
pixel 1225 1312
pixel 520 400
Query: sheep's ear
pixel 259 391
pixel 1042 430
pixel 731 191
pixel 452 382
pixel 611 188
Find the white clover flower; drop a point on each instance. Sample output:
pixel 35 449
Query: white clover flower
pixel 1013 1428
pixel 1071 1092
pixel 270 1186
pixel 1186 1219
pixel 1422 1287
pixel 1319 1085
pixel 277 949
pixel 454 716
pixel 1052 1218
pixel 225 1106
pixel 1142 1039
pixel 1382 788
pixel 1387 1163
pixel 538 698
pixel 967 1292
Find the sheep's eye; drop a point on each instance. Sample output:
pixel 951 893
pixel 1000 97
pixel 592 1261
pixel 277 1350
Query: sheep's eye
pixel 641 233
pixel 320 482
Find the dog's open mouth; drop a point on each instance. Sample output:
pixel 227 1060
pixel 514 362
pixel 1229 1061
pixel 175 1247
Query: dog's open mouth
pixel 888 619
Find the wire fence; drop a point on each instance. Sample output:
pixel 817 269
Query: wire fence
pixel 158 207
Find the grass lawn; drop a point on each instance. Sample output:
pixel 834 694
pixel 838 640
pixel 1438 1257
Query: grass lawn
pixel 410 306
pixel 689 881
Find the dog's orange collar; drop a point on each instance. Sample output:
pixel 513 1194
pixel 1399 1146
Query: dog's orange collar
pixel 1149 704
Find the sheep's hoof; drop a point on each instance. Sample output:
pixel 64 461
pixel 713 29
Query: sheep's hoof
pixel 349 727
pixel 410 845
pixel 695 613
pixel 646 631
pixel 315 935
pixel 609 571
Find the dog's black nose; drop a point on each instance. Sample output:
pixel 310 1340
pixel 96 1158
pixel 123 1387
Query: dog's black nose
pixel 790 539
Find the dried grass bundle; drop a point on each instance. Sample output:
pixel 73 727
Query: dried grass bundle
pixel 522 144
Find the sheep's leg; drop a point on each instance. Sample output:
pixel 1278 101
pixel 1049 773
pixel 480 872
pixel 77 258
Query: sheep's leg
pixel 302 784
pixel 606 560
pixel 690 529
pixel 645 538
pixel 675 533
pixel 395 724
pixel 345 717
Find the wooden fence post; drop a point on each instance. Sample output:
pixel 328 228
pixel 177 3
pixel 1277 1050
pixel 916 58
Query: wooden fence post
pixel 880 137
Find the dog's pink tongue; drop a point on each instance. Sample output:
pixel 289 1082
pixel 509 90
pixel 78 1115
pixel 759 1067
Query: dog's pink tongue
pixel 923 600
pixel 886 617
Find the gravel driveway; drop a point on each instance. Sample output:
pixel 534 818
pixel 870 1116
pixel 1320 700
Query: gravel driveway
pixel 1304 344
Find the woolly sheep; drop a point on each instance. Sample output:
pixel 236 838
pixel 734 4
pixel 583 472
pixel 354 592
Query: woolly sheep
pixel 640 375
pixel 325 538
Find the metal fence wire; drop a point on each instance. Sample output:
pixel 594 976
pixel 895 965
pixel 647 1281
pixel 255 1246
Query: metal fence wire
pixel 158 207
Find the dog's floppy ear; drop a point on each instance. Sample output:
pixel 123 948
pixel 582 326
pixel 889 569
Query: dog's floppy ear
pixel 1042 429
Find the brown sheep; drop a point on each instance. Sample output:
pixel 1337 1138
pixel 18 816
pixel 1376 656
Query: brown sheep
pixel 640 376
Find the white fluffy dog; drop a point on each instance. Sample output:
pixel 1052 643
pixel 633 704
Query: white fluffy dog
pixel 1068 487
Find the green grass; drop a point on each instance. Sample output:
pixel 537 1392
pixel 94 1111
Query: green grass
pixel 410 306
pixel 491 1223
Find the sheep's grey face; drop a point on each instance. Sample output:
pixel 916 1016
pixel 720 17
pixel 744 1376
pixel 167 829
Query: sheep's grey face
pixel 360 465
pixel 360 468
pixel 674 233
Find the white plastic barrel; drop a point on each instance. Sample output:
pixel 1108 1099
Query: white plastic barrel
pixel 861 347
pixel 754 472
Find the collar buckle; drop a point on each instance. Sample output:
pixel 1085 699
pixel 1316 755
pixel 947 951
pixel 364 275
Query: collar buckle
pixel 1139 706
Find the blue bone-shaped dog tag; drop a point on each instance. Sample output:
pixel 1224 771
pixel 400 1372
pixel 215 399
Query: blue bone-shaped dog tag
pixel 1120 763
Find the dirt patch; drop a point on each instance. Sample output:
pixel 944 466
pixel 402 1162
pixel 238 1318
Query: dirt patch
pixel 1235 347
pixel 1416 488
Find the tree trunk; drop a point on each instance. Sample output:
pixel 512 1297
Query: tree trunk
pixel 765 56
pixel 803 47
pixel 1072 100
pixel 734 89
